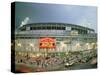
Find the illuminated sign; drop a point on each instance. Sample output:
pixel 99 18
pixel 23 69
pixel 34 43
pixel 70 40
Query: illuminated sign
pixel 47 43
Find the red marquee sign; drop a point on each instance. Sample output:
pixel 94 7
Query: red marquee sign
pixel 47 43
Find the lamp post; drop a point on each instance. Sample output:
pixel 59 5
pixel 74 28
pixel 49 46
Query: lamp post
pixel 19 45
pixel 31 45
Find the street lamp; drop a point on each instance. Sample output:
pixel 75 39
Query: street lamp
pixel 93 45
pixel 19 44
pixel 31 45
pixel 88 46
pixel 63 45
pixel 78 46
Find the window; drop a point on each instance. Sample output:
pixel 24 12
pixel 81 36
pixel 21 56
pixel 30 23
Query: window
pixel 68 28
pixel 27 28
pixel 74 32
pixel 47 28
pixel 23 29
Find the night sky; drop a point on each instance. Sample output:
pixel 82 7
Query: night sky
pixel 74 14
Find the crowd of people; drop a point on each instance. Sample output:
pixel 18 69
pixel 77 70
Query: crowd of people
pixel 54 62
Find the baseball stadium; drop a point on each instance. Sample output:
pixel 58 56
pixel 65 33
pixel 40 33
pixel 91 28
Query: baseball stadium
pixel 54 46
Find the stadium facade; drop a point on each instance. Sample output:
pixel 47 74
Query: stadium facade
pixel 64 38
